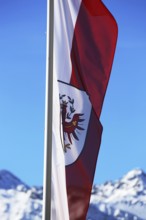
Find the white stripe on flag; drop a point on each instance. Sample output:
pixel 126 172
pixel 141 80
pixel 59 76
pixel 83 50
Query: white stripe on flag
pixel 65 15
pixel 65 18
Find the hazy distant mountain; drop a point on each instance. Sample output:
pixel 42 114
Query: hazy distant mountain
pixel 124 199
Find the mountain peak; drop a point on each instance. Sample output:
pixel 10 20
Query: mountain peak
pixel 9 180
pixel 135 174
pixel 124 198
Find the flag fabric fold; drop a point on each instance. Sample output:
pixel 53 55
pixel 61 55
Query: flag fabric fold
pixel 85 35
pixel 92 52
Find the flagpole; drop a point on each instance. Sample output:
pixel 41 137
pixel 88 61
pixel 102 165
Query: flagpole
pixel 48 113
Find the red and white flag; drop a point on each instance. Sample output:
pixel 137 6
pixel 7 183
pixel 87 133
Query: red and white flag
pixel 85 35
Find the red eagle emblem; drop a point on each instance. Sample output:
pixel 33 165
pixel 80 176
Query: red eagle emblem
pixel 71 121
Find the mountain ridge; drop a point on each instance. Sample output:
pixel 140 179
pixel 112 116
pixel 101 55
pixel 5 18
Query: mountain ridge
pixel 9 180
pixel 122 199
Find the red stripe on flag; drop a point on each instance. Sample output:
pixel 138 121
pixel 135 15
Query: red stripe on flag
pixel 80 174
pixel 92 53
pixel 93 50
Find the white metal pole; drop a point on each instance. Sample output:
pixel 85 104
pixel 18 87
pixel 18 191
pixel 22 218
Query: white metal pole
pixel 48 113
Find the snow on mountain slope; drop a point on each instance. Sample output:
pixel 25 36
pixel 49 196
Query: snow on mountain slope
pixel 123 199
pixel 18 201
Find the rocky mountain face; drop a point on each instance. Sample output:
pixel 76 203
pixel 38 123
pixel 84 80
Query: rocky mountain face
pixel 123 199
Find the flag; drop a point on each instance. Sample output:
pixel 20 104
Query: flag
pixel 85 35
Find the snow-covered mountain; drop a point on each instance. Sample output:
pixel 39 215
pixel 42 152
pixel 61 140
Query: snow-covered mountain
pixel 18 201
pixel 123 199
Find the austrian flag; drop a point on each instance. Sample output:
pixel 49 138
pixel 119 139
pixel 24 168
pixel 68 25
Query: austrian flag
pixel 85 35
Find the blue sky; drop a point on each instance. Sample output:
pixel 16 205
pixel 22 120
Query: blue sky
pixel 22 91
